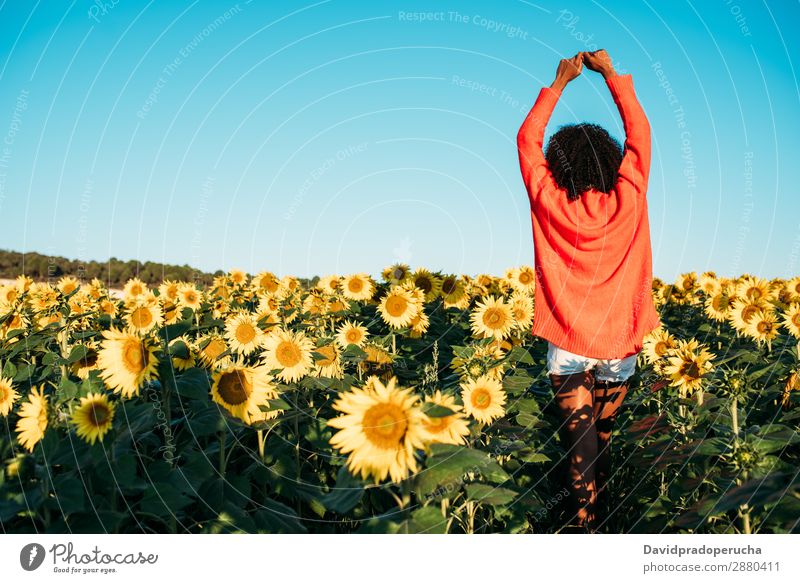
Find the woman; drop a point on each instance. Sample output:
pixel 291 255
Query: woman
pixel 593 266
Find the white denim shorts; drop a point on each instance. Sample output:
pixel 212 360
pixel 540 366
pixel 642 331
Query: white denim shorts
pixel 561 362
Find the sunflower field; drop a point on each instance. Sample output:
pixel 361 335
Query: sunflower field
pixel 417 403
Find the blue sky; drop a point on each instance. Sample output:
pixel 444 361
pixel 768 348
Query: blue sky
pixel 340 136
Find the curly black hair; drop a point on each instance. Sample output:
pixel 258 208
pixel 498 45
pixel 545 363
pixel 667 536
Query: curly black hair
pixel 583 156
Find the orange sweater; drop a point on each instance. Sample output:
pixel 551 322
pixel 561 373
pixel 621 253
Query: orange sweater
pixel 592 255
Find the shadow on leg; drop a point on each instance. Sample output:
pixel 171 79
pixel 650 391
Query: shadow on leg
pixel 608 398
pixel 574 396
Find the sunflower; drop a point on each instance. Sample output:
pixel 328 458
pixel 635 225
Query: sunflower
pixel 237 277
pixel 452 290
pixel 210 349
pixel 657 344
pixel 33 419
pixel 289 352
pixel 265 282
pixel 483 398
pixel 108 307
pixel 763 327
pixel 492 318
pixel 16 321
pixel 170 311
pixel 189 296
pixel 242 391
pixel 754 289
pixel 395 274
pixel 687 365
pixel 718 305
pixel 793 286
pixel 8 295
pixel 522 310
pixel 687 281
pixel 144 314
pixel 7 396
pixel 93 417
pixel 242 332
pixel 524 279
pixel 451 428
pixel 126 361
pixel 742 311
pixel 68 284
pixel 358 287
pixel 330 365
pixel 381 428
pixel 376 354
pixel 329 284
pixel 427 282
pixel 169 290
pixel 181 353
pixel 315 303
pixel 791 320
pixel 83 366
pixel 398 307
pixel 709 284
pixel 336 305
pixel 419 324
pixel 351 333
pixel 134 288
pixel 792 384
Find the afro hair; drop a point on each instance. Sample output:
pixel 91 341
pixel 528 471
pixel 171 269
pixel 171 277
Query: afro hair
pixel 583 156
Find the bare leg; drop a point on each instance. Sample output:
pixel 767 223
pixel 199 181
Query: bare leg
pixel 574 394
pixel 608 398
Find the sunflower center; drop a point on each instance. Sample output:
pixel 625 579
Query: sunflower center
pixel 214 348
pixel 690 370
pixel 234 387
pixel 494 318
pixel 245 333
pixel 134 357
pixel 89 360
pixel 328 352
pixel 525 277
pixel 396 306
pixel 764 327
pixel 796 319
pixel 288 354
pixel 98 414
pixel 661 348
pixel 353 336
pixel 141 317
pixel 385 425
pixel 720 302
pixel 748 312
pixel 480 398
pixel 355 285
pixel 449 285
pixel 424 283
pixel 754 293
pixel 436 424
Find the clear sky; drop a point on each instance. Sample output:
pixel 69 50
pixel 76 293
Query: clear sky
pixel 341 136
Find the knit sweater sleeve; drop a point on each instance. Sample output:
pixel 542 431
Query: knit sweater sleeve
pixel 635 166
pixel 535 173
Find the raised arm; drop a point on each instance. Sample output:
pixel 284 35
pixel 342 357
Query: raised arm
pixel 635 166
pixel 530 137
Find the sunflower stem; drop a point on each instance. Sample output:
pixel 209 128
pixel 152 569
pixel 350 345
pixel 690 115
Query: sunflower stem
pixel 735 418
pixel 222 460
pixel 261 443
